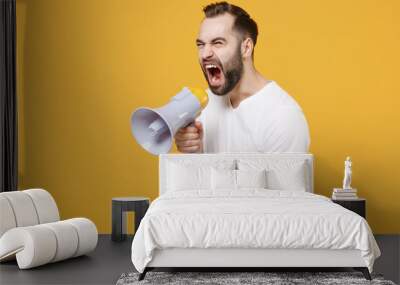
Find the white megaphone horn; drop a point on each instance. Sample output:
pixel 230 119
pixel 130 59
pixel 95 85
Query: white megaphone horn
pixel 154 129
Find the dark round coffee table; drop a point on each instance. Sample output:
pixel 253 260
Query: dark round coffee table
pixel 121 205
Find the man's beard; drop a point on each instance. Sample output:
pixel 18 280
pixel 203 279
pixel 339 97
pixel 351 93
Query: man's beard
pixel 232 74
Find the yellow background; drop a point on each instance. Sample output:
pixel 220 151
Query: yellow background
pixel 84 66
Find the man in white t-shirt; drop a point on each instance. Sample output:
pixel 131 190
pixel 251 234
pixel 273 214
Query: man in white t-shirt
pixel 246 112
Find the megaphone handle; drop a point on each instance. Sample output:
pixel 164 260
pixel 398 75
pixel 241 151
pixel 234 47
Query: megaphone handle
pixel 191 124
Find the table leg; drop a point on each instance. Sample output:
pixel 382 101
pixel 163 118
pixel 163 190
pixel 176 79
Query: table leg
pixel 140 211
pixel 118 223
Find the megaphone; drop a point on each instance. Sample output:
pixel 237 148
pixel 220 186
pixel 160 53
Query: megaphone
pixel 154 129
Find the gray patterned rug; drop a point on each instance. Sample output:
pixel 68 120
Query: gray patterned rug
pixel 269 278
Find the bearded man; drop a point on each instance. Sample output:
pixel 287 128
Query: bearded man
pixel 246 112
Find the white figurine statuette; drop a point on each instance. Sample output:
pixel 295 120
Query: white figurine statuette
pixel 347 174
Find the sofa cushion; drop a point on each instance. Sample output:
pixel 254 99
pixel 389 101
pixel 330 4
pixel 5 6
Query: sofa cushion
pixel 45 205
pixel 23 208
pixel 40 244
pixel 7 220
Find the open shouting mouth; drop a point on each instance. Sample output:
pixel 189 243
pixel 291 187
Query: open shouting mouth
pixel 214 74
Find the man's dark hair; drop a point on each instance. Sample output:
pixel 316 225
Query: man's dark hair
pixel 243 23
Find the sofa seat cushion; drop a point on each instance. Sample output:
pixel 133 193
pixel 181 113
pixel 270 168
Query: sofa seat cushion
pixel 40 244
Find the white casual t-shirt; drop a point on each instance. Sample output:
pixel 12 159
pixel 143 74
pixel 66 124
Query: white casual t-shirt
pixel 268 121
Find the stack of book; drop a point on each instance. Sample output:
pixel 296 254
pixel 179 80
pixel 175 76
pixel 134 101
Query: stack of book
pixel 344 194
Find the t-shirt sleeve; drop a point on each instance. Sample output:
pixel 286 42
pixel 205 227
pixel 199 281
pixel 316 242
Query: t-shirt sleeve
pixel 287 132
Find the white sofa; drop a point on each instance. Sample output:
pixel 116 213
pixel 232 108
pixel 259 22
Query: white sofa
pixel 31 230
